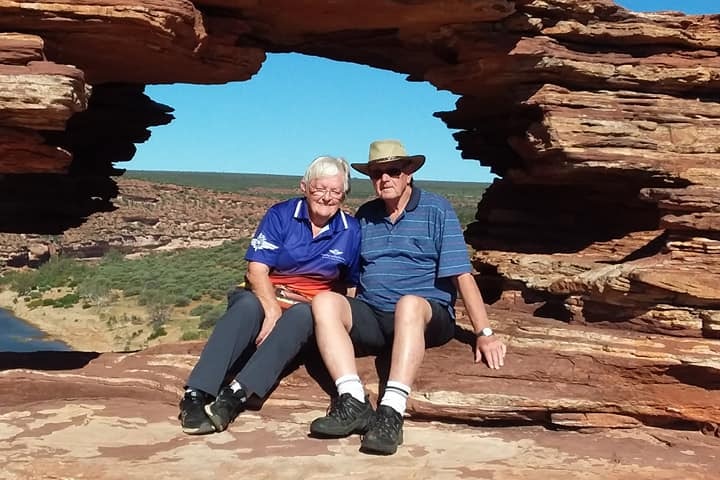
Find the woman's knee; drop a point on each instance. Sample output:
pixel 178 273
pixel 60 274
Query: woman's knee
pixel 324 304
pixel 298 320
pixel 244 297
pixel 243 308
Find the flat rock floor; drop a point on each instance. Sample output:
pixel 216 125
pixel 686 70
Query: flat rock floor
pixel 124 439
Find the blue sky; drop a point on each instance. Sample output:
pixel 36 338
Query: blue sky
pixel 298 107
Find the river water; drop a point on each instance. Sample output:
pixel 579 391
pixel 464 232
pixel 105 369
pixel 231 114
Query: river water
pixel 18 336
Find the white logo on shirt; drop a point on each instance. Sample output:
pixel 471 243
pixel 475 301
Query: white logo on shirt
pixel 334 255
pixel 260 243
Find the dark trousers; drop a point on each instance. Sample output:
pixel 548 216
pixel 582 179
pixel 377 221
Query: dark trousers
pixel 234 337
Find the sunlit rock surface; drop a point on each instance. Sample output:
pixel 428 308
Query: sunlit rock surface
pixel 602 125
pixel 570 403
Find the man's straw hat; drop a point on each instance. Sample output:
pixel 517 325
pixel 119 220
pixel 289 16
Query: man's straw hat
pixel 389 151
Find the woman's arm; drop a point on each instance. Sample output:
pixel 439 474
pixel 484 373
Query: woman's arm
pixel 258 280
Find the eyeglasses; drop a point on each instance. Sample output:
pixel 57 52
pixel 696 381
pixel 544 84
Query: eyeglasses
pixel 393 172
pixel 321 192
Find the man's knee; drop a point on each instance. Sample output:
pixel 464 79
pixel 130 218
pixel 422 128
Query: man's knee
pixel 412 311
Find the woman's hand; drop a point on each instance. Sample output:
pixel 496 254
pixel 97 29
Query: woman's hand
pixel 268 324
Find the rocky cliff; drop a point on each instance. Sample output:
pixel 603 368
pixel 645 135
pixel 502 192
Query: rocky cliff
pixel 600 123
pixel 146 217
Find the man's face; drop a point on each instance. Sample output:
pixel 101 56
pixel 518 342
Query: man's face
pixel 389 179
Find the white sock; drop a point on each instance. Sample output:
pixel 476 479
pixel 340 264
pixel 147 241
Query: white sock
pixel 395 396
pixel 351 384
pixel 236 387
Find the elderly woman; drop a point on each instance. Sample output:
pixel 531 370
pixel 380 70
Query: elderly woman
pixel 302 246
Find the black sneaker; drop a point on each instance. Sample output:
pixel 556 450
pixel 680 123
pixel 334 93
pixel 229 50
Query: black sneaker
pixel 225 408
pixel 384 432
pixel 345 416
pixel 192 413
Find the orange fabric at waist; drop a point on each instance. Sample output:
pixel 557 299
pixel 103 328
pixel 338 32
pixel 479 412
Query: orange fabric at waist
pixel 308 287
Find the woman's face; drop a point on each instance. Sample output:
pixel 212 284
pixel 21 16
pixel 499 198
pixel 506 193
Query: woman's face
pixel 324 195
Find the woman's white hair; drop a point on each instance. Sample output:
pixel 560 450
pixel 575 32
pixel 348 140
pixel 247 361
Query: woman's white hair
pixel 327 167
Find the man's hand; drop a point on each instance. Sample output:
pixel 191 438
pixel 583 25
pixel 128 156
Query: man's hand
pixel 268 324
pixel 492 349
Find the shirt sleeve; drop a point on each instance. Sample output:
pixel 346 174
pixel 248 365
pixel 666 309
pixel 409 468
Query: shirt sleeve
pixel 453 258
pixel 266 244
pixel 352 275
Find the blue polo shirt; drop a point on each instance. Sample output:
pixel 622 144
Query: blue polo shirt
pixel 417 255
pixel 284 242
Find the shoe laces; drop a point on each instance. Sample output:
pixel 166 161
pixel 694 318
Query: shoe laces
pixel 341 407
pixel 386 423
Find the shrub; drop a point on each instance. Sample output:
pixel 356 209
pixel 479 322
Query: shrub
pixel 67 301
pixel 38 302
pixel 211 317
pixel 94 290
pixel 201 309
pixel 191 335
pixel 157 332
pixel 181 301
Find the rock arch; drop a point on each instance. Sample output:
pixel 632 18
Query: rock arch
pixel 601 123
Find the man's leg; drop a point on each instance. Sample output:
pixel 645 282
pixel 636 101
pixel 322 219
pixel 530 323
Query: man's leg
pixel 413 316
pixel 234 332
pixel 335 317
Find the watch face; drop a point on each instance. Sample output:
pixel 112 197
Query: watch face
pixel 486 332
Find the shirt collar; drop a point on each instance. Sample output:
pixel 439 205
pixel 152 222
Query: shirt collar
pixel 414 199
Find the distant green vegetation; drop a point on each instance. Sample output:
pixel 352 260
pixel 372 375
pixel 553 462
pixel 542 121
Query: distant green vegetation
pixel 177 277
pixel 159 281
pixel 221 182
pixel 174 277
pixel 463 195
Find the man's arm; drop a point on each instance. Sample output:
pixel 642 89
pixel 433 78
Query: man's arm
pixel 258 279
pixel 490 347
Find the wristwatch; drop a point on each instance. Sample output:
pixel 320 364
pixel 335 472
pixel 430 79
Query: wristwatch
pixel 486 332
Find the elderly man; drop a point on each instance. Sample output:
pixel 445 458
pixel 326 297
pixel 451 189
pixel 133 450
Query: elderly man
pixel 413 261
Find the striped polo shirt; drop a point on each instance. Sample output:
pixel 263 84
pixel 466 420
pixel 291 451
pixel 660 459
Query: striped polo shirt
pixel 284 242
pixel 417 255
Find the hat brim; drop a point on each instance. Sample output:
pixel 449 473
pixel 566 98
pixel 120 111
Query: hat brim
pixel 415 161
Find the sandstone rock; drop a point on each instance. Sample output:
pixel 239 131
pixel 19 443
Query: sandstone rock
pixel 94 410
pixel 600 123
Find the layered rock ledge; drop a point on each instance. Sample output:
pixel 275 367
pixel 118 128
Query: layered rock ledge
pixel 600 123
pixel 560 390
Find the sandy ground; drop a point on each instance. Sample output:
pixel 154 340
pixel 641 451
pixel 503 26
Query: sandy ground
pixel 120 326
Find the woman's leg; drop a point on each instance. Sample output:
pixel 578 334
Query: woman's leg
pixel 234 332
pixel 291 332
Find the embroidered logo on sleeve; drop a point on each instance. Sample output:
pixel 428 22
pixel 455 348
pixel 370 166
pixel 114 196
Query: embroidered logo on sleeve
pixel 260 243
